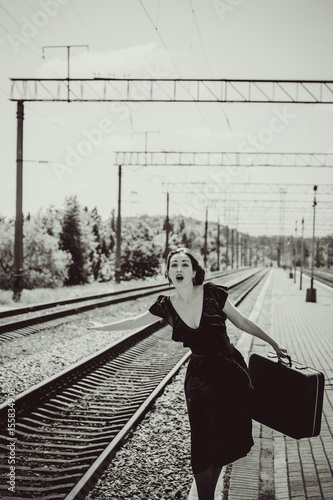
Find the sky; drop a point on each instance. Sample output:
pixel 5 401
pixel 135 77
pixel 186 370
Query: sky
pixel 69 148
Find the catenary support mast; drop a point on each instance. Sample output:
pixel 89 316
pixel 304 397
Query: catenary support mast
pixel 18 246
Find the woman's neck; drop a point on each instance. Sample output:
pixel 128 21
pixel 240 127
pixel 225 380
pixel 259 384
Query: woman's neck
pixel 187 293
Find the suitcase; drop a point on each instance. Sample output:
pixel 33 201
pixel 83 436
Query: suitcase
pixel 287 397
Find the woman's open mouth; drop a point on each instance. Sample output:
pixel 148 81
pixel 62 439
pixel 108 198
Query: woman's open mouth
pixel 179 278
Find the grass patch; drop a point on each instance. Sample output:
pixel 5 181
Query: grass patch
pixel 40 295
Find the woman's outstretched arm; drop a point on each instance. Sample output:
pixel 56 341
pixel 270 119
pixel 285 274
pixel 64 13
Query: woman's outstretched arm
pixel 139 321
pixel 248 326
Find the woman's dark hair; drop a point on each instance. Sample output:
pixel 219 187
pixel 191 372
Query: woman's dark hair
pixel 199 271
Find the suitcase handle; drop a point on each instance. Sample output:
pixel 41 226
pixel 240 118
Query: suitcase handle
pixel 290 361
pixel 274 355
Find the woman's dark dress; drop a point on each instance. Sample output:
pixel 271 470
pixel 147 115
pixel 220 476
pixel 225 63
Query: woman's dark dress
pixel 217 384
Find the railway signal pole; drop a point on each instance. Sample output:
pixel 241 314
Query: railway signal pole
pixel 302 255
pixel 311 294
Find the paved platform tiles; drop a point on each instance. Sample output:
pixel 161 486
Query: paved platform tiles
pixel 302 468
pixel 279 467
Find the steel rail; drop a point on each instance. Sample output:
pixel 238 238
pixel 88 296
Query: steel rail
pixel 28 326
pixel 325 277
pixel 64 302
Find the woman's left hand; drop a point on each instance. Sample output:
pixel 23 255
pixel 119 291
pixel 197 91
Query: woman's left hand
pixel 281 351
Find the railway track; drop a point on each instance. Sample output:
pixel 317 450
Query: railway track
pixel 65 311
pixel 68 428
pixel 87 298
pixel 324 276
pixel 76 300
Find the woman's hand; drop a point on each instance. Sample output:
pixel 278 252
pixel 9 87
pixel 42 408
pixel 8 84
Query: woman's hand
pixel 280 351
pixel 95 325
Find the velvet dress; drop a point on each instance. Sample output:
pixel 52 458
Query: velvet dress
pixel 217 383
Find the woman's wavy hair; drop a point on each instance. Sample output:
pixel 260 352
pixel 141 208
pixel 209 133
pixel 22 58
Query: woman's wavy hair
pixel 199 271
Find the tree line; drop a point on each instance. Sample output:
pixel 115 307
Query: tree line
pixel 73 245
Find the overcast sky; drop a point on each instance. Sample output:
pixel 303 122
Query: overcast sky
pixel 231 39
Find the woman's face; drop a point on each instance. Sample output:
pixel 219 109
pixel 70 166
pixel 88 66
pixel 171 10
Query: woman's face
pixel 180 270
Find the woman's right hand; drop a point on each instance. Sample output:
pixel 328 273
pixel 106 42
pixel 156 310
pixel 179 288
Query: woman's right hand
pixel 95 325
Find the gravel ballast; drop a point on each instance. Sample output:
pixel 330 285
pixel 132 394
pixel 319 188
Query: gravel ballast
pixel 154 463
pixel 28 360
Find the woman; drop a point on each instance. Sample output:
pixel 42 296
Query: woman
pixel 217 384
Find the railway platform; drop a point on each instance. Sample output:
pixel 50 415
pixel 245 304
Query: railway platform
pixel 279 467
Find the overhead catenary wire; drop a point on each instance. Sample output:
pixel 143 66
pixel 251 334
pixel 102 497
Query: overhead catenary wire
pixel 209 68
pixel 176 68
pixel 10 34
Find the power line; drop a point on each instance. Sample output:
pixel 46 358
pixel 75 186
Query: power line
pixel 200 37
pixel 11 34
pixel 160 38
pixel 175 66
pixel 225 114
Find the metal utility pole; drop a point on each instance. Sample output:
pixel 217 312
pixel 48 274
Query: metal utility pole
pixel 242 250
pixel 311 294
pixel 282 221
pixel 227 247
pixel 18 245
pixel 263 253
pixel 232 248
pixel 206 234
pixel 295 252
pixel 167 226
pixel 250 252
pixel 302 255
pixel 68 47
pixel 146 132
pixel 118 250
pixel 218 243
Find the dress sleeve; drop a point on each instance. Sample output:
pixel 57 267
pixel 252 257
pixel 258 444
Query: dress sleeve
pixel 160 308
pixel 220 294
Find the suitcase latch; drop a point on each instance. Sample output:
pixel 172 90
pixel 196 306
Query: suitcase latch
pixel 281 360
